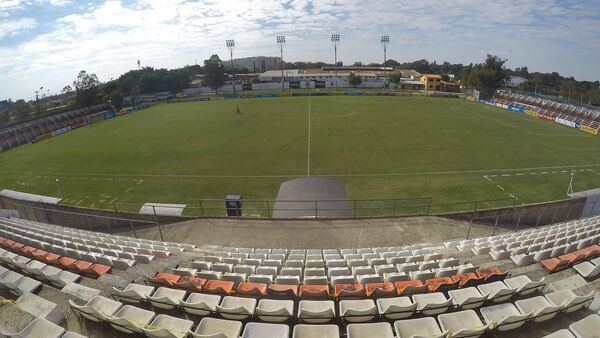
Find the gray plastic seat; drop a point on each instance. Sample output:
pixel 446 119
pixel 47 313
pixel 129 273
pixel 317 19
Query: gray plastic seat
pixel 166 298
pixel 431 304
pixel 274 310
pixel 538 307
pixel 316 311
pixel 237 308
pixel 568 300
pixel 396 307
pixel 524 285
pixel 130 319
pixel 467 298
pixel 41 328
pixel 560 334
pixel 462 324
pixel 359 310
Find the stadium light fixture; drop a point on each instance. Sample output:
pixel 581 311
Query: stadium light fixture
pixel 231 46
pixel 335 39
pixel 281 42
pixel 385 40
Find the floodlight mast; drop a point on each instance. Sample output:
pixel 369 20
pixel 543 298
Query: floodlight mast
pixel 385 39
pixel 231 46
pixel 281 42
pixel 335 39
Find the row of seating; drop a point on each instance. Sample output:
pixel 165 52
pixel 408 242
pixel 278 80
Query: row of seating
pixel 573 258
pixel 589 269
pixel 464 323
pixel 351 287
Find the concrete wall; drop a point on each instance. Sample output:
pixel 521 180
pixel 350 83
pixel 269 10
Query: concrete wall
pixel 530 215
pixel 84 218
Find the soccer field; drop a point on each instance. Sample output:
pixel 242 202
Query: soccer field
pixel 451 150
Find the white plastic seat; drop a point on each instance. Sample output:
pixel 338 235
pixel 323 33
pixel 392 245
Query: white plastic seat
pixel 360 310
pixel 396 307
pixel 274 310
pixel 467 298
pixel 503 317
pixel 537 307
pixel 586 327
pixel 316 331
pixel 568 300
pixel 287 280
pixel 419 327
pixel 217 328
pixel 263 330
pixel 264 279
pixel 522 259
pixel 496 291
pixel 166 298
pixel 587 269
pixel 524 285
pixel 201 304
pixel 92 309
pixel 130 319
pixel 236 308
pixel 39 328
pixel 234 277
pixel 316 311
pixel 431 304
pixel 134 293
pixel 164 326
pixel 464 323
pixel 564 333
pixel 370 330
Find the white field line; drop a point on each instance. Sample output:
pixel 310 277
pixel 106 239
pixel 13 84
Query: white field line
pixel 308 152
pixel 453 172
pixel 124 192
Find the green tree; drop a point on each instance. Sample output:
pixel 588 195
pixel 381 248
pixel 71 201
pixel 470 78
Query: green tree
pixel 116 99
pixel 354 80
pixel 4 118
pixel 396 77
pixel 487 77
pixel 87 89
pixel 22 110
pixel 214 72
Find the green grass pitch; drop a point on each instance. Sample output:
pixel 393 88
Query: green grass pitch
pixel 380 147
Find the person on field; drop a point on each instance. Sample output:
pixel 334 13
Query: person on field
pixel 237 108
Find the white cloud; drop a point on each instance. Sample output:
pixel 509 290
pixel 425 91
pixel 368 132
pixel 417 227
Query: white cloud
pixel 108 38
pixel 12 27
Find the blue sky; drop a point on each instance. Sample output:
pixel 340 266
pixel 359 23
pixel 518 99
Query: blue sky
pixel 46 42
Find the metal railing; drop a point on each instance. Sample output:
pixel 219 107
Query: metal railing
pixel 352 208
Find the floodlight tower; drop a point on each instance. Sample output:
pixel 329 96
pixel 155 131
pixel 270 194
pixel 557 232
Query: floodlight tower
pixel 335 39
pixel 385 39
pixel 281 42
pixel 231 45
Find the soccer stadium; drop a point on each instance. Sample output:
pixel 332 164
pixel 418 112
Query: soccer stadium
pixel 256 197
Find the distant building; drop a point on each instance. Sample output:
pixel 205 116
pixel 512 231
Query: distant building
pixel 258 64
pixel 514 81
pixel 450 86
pixel 432 82
pixel 325 77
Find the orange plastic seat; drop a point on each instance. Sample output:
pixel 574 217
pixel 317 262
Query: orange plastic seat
pixel 27 251
pixel 80 266
pixel 385 289
pixel 219 286
pixel 283 290
pixel 491 274
pixel 39 254
pixel 410 287
pixel 442 284
pixel 574 258
pixel 165 279
pixel 593 251
pixel 314 291
pixel 52 258
pixel 193 284
pixel 252 289
pixel 65 262
pixel 15 246
pixel 96 270
pixel 348 290
pixel 554 264
pixel 469 279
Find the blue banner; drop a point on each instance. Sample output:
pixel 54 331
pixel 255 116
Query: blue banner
pixel 353 93
pixel 515 109
pixel 386 94
pixel 267 95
